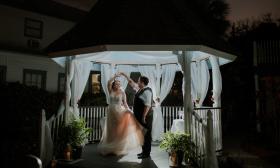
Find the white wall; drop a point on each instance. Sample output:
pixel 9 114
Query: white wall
pixel 16 62
pixel 12 27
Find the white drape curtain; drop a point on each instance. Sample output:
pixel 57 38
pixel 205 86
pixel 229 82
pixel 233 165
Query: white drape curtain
pixel 127 70
pixel 81 73
pixel 217 81
pixel 149 72
pixel 200 81
pixel 106 73
pixel 194 81
pixel 168 75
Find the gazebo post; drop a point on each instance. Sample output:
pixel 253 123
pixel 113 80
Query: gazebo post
pixel 188 107
pixel 67 96
pixel 72 102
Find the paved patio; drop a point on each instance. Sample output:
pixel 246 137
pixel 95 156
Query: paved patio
pixel 91 159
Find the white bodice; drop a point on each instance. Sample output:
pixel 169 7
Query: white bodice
pixel 115 99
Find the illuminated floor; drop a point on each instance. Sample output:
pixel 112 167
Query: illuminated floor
pixel 91 159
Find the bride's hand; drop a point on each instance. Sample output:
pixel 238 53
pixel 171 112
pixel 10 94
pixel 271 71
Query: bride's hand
pixel 121 73
pixel 117 75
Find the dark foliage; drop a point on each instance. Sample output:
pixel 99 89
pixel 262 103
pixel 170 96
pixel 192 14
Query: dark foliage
pixel 21 108
pixel 214 13
pixel 238 77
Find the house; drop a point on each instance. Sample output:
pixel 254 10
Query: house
pixel 27 29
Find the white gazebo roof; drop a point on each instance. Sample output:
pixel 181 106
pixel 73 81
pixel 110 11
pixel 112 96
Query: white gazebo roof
pixel 138 57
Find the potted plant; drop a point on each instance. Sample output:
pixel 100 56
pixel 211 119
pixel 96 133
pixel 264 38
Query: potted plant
pixel 178 145
pixel 74 133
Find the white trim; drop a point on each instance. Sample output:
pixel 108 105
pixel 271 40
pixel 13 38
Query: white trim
pixel 100 48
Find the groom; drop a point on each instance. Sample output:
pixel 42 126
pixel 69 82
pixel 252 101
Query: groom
pixel 143 111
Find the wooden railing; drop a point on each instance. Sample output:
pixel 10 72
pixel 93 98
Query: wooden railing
pixel 203 137
pixel 49 127
pixel 93 115
pixel 217 126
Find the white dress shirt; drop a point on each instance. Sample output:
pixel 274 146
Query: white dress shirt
pixel 146 96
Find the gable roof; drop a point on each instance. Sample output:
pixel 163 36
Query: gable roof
pixel 145 22
pixel 49 8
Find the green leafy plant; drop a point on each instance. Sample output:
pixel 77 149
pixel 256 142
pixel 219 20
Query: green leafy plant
pixel 80 132
pixel 74 133
pixel 178 142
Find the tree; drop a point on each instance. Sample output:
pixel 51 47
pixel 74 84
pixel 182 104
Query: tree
pixel 214 13
pixel 238 77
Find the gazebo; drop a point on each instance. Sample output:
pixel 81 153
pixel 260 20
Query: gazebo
pixel 156 38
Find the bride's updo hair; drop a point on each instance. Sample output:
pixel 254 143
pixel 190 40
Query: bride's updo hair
pixel 114 83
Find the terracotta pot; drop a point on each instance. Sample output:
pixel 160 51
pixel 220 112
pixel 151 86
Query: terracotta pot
pixel 68 152
pixel 176 158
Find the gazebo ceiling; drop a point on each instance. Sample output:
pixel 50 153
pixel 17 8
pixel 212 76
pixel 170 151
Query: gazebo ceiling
pixel 130 25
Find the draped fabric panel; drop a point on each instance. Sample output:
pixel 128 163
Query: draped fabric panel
pixel 205 78
pixel 168 75
pixel 81 75
pixel 217 81
pixel 200 81
pixel 194 80
pixel 106 73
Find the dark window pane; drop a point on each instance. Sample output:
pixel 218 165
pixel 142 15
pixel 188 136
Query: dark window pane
pixel 33 28
pixel 35 78
pixel 61 82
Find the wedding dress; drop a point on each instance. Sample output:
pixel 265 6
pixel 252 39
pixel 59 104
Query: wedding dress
pixel 122 132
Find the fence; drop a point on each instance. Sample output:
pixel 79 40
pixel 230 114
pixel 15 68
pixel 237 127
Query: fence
pixel 94 114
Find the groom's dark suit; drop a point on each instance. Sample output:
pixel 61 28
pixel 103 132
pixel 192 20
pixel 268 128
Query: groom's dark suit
pixel 138 108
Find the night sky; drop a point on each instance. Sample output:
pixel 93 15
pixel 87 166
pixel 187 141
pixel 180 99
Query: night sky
pixel 242 9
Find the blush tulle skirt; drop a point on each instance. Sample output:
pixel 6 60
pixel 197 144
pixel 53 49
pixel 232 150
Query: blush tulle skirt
pixel 121 133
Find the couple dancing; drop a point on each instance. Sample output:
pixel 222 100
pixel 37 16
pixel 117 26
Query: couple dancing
pixel 125 130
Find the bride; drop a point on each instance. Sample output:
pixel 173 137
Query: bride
pixel 121 132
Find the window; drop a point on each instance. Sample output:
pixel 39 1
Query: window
pixel 61 82
pixel 94 94
pixel 175 96
pixel 3 71
pixel 95 86
pixel 35 78
pixel 33 28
